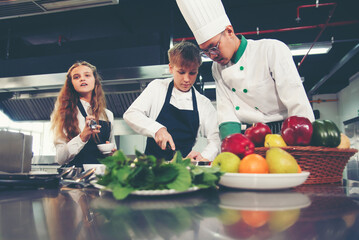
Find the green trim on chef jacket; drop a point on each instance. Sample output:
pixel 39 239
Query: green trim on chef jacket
pixel 241 49
pixel 228 128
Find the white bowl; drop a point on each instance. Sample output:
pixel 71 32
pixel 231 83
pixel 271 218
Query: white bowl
pixel 100 168
pixel 106 148
pixel 266 181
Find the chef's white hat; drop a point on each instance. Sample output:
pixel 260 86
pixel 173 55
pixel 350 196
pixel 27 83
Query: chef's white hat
pixel 206 18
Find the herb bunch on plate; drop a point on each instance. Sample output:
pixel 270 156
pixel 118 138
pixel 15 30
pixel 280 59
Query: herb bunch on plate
pixel 124 176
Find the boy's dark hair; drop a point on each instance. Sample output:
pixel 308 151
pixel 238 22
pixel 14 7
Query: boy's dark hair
pixel 185 54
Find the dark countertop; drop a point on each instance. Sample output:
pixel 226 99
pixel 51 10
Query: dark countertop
pixel 328 211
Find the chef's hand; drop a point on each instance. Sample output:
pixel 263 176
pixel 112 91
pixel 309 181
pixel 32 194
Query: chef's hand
pixel 85 135
pixel 162 137
pixel 195 156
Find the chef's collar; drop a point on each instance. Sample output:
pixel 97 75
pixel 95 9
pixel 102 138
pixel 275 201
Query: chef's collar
pixel 241 49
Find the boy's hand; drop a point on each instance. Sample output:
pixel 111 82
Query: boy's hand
pixel 162 137
pixel 195 156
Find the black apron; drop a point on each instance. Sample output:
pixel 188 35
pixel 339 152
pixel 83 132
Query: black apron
pixel 90 153
pixel 181 124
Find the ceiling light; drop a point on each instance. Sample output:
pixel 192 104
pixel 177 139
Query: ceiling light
pixel 206 59
pixel 75 4
pixel 209 85
pixel 301 49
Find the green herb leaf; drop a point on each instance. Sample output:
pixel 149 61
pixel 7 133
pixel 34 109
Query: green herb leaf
pixel 183 181
pixel 120 192
pixel 124 175
pixel 141 178
pixel 197 171
pixel 186 162
pixel 165 173
pixel 210 180
pixel 177 158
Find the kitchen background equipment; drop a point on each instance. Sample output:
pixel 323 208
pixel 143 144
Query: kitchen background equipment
pixel 26 180
pixel 351 129
pixel 74 178
pixel 15 152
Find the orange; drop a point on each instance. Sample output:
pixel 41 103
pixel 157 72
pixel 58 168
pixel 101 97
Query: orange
pixel 253 163
pixel 255 219
pixel 299 169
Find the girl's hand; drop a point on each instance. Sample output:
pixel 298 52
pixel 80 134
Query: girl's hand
pixel 87 132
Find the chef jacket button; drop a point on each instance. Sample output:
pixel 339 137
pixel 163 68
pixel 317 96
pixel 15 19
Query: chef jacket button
pixel 233 89
pixel 237 108
pixel 241 68
pixel 245 90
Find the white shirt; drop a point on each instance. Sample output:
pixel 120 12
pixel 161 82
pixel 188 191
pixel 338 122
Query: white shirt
pixel 66 151
pixel 142 114
pixel 263 86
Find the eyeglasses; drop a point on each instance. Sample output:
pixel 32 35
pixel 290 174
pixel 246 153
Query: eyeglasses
pixel 214 51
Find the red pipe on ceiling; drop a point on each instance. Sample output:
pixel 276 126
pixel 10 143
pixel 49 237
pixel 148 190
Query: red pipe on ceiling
pixel 312 5
pixel 283 29
pixel 321 31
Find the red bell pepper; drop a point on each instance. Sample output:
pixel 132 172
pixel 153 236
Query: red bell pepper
pixel 297 131
pixel 257 133
pixel 238 144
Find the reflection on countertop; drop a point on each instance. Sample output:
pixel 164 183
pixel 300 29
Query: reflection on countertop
pixel 329 211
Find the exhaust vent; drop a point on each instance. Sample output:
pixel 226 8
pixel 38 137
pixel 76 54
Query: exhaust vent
pixel 22 8
pixel 31 98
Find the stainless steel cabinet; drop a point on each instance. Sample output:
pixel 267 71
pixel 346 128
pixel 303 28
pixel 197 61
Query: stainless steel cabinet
pixel 15 152
pixel 351 129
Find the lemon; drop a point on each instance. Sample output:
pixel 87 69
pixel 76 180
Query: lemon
pixel 274 140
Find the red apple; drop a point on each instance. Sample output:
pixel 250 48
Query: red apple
pixel 297 131
pixel 238 144
pixel 257 133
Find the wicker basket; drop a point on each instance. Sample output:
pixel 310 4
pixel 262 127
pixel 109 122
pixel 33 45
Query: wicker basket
pixel 325 164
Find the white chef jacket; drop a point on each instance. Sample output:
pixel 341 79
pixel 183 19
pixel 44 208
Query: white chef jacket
pixel 66 151
pixel 142 114
pixel 262 86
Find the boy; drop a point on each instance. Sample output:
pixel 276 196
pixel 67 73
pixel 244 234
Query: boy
pixel 171 113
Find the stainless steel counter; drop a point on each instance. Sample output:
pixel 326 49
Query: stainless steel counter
pixel 307 212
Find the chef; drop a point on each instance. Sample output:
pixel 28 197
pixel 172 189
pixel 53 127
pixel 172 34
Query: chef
pixel 172 114
pixel 256 80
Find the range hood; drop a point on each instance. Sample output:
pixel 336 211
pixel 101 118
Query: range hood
pixel 29 98
pixel 22 8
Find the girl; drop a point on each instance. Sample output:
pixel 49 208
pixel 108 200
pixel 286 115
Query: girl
pixel 81 100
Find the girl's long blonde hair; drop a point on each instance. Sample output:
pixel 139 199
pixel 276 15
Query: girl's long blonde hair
pixel 64 122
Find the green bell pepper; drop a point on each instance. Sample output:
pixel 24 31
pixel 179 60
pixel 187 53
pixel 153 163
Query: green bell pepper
pixel 325 133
